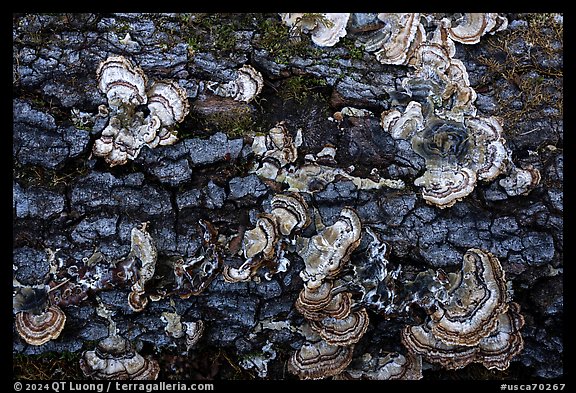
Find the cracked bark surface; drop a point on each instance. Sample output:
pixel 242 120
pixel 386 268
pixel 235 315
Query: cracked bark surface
pixel 63 198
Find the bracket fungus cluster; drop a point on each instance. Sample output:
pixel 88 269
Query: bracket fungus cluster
pixel 336 322
pixel 175 328
pixel 267 242
pixel 457 154
pixel 245 87
pixel 397 40
pixel 114 358
pixel 469 315
pixel 277 152
pixel 325 29
pixel 130 127
pixel 475 322
pixel 440 119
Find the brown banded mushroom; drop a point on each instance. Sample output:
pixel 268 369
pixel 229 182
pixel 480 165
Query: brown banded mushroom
pixel 475 322
pixel 457 153
pixel 442 98
pixel 334 322
pixel 344 331
pixel 338 307
pixel 497 350
pixel 114 358
pixel 494 351
pixel 259 245
pixel 445 186
pixel 38 329
pixel 317 360
pixel 275 150
pixel 440 81
pixel 403 125
pixel 290 212
pixel 168 101
pixel 491 155
pixel 476 298
pixel 262 239
pixel 243 273
pixel 315 299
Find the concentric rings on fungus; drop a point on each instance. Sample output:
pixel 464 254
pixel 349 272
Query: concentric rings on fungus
pixel 168 101
pixel 319 360
pixel 406 35
pixel 115 359
pixel 38 329
pixel 129 127
pixel 121 81
pixel 265 243
pixel 345 331
pixel 473 25
pixel 326 253
pixel 475 323
pixel 476 298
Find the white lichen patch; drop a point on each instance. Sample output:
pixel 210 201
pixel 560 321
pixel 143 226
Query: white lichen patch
pixel 388 366
pixel 259 361
pixel 174 327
